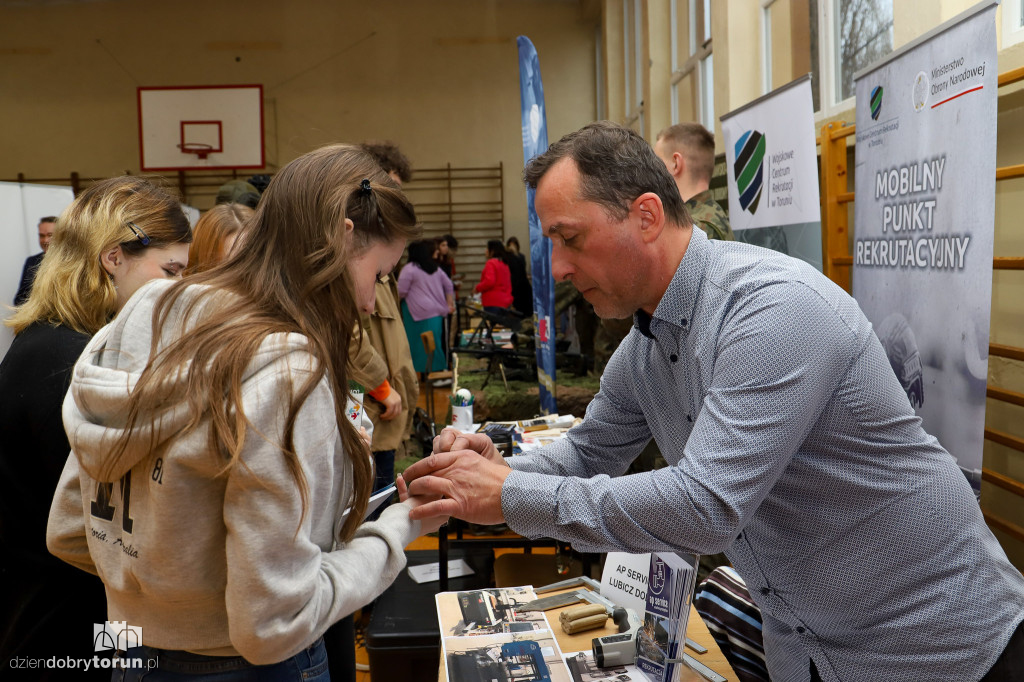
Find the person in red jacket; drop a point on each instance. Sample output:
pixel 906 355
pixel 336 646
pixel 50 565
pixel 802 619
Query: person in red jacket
pixel 495 284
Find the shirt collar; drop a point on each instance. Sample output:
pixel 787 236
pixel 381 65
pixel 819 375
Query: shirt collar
pixel 680 298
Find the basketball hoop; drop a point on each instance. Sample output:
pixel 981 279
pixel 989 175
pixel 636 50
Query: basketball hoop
pixel 200 149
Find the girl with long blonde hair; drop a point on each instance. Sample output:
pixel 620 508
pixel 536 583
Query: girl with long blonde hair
pixel 116 235
pixel 215 484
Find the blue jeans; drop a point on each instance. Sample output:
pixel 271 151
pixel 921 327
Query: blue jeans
pixel 162 665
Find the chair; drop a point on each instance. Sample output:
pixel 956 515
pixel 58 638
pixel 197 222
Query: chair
pixel 430 347
pixel 734 620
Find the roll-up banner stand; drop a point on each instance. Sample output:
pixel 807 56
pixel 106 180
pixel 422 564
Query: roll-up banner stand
pixel 774 200
pixel 535 141
pixel 924 219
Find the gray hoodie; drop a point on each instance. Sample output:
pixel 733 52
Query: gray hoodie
pixel 206 561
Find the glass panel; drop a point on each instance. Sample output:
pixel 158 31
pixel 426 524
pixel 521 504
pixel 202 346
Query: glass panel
pixel 638 47
pixel 791 50
pixel 686 92
pixel 628 52
pixel 706 15
pixel 707 92
pixel 864 30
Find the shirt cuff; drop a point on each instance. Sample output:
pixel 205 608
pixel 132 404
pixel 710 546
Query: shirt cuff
pixel 381 393
pixel 529 502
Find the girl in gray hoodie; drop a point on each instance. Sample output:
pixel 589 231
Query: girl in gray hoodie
pixel 214 483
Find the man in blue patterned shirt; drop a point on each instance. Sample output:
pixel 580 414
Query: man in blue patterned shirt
pixel 792 446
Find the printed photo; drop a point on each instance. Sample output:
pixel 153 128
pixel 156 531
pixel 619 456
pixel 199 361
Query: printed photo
pixel 488 612
pixel 524 657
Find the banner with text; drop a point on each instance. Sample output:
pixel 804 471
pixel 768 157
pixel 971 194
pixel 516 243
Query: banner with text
pixel 772 172
pixel 535 141
pixel 924 219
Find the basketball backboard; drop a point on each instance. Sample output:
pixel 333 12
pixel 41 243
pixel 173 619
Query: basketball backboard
pixel 201 127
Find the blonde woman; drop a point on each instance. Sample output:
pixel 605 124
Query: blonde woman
pixel 115 236
pixel 212 459
pixel 215 235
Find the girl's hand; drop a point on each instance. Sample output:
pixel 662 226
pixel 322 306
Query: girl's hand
pixel 429 524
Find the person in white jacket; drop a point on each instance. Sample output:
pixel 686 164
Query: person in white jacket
pixel 215 484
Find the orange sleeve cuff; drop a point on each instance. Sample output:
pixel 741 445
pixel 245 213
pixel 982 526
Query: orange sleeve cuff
pixel 381 393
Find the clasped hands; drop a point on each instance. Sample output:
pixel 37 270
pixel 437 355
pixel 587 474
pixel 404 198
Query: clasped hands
pixel 461 478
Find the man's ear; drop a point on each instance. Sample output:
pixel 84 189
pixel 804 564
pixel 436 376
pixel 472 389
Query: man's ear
pixel 111 259
pixel 678 164
pixel 652 216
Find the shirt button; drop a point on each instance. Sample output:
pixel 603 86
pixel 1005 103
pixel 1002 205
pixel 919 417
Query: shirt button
pixel 800 629
pixel 765 591
pixel 673 357
pixel 683 321
pixel 689 418
pixel 740 536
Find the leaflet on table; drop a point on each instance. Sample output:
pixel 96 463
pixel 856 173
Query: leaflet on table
pixel 426 573
pixel 484 636
pixel 669 593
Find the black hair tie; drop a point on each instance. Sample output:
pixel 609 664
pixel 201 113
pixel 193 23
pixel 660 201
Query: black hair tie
pixel 364 187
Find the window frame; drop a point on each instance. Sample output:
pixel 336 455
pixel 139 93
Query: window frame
pixel 695 63
pixel 828 106
pixel 1012 32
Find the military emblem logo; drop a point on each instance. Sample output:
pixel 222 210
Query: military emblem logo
pixel 749 169
pixel 876 102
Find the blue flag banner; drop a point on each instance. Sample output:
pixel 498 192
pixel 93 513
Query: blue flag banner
pixel 535 141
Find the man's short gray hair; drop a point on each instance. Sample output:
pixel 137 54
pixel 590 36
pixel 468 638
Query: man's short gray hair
pixel 616 166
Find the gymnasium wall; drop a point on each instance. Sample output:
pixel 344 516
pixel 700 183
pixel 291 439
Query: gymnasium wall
pixel 439 78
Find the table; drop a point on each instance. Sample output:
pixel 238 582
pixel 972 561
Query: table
pixel 696 630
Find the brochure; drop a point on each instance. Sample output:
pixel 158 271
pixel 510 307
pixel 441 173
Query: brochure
pixel 661 640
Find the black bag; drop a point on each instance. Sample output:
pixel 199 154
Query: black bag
pixel 423 431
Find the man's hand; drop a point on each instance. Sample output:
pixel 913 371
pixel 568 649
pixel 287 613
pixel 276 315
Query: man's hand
pixel 469 483
pixel 392 406
pixel 427 525
pixel 451 439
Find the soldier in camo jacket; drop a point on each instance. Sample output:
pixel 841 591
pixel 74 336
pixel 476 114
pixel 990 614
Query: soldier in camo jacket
pixel 688 150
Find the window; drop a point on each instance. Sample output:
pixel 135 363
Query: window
pixel 1013 22
pixel 632 46
pixel 792 32
pixel 864 32
pixel 790 43
pixel 692 83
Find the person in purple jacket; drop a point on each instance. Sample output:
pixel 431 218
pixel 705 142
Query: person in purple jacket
pixel 428 297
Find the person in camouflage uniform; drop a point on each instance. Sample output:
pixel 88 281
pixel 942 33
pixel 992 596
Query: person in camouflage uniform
pixel 688 151
pixel 708 215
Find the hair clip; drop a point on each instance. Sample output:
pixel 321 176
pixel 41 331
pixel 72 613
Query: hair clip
pixel 139 234
pixel 364 187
